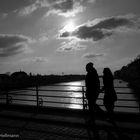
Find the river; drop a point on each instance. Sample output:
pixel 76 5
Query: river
pixel 73 88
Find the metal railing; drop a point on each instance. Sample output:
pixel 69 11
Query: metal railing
pixel 35 96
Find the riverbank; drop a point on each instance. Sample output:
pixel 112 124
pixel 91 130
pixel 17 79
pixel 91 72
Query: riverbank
pixel 135 84
pixel 130 73
pixel 19 82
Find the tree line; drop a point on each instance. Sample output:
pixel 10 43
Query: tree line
pixel 18 80
pixel 130 72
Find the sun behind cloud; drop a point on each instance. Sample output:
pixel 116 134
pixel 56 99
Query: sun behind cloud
pixel 70 26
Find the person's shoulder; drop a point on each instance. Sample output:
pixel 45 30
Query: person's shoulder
pixel 94 70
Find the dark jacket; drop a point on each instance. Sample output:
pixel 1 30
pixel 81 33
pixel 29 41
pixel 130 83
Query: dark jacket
pixel 110 93
pixel 92 84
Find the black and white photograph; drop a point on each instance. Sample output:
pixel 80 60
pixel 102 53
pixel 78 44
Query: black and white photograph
pixel 69 69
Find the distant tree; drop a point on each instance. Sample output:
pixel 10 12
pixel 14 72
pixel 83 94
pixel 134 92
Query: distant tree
pixel 4 82
pixel 130 72
pixel 20 79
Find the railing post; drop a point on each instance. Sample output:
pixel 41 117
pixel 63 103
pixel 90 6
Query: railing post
pixel 37 103
pixel 139 107
pixel 7 97
pixel 83 98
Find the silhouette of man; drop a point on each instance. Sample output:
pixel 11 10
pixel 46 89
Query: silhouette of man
pixel 92 88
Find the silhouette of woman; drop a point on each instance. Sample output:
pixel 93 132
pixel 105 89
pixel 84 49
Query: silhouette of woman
pixel 109 92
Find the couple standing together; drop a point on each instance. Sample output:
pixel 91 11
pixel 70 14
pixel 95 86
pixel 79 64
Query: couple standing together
pixel 93 89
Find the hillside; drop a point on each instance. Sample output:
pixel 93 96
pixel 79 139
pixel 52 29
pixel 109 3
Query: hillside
pixel 130 72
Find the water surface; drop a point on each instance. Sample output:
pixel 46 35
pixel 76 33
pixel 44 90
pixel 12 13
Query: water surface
pixel 69 95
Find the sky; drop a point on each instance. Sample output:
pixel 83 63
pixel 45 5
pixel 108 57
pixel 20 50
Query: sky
pixel 62 36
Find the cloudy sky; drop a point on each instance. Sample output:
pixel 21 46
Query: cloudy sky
pixel 55 36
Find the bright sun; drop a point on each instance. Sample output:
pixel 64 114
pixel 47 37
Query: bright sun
pixel 69 27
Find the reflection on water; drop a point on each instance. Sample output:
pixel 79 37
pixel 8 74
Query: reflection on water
pixel 73 98
pixel 76 83
pixel 74 86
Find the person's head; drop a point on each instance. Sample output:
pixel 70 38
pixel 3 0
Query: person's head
pixel 107 72
pixel 89 67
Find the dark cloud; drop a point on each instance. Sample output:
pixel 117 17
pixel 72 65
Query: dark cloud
pixel 60 7
pixel 91 33
pixel 64 6
pixel 11 44
pixel 86 33
pixel 65 34
pixel 114 22
pixel 7 6
pixel 101 28
pixel 92 55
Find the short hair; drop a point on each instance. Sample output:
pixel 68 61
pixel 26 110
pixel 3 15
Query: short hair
pixel 89 66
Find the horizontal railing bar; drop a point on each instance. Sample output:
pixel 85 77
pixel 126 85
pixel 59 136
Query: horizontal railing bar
pixel 121 99
pixel 61 90
pixel 81 98
pixel 80 86
pixel 134 93
pixel 47 96
pixel 22 90
pixel 54 90
pixel 128 100
pixel 24 100
pixel 85 91
pixel 85 86
pixel 18 91
pixel 127 106
pixel 64 85
pixel 81 104
pixel 78 91
pixel 62 102
pixel 59 96
pixel 47 101
pixel 67 97
pixel 120 106
pixel 18 99
pixel 51 102
pixel 22 94
pixel 120 87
